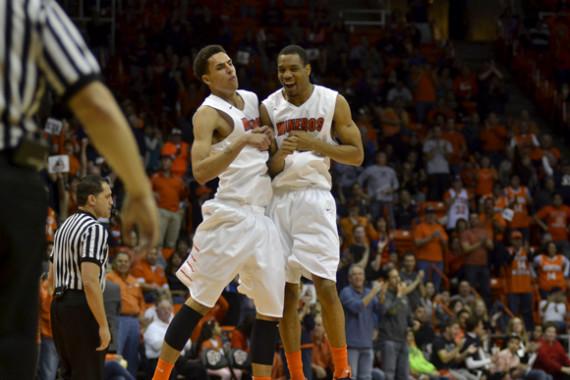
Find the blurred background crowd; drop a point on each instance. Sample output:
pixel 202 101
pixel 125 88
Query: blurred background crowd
pixel 465 190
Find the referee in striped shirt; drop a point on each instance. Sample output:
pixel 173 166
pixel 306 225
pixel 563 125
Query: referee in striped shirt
pixel 40 47
pixel 77 272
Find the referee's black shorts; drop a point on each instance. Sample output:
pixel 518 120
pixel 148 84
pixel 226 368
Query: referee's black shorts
pixel 76 336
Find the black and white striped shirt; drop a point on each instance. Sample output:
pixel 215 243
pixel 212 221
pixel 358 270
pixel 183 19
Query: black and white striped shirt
pixel 38 45
pixel 80 238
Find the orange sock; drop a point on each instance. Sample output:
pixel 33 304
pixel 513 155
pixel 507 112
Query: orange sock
pixel 163 370
pixel 340 361
pixel 295 365
pixel 261 377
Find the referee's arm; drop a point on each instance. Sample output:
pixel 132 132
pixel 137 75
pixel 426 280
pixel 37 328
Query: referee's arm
pixel 93 257
pixel 90 275
pixel 73 73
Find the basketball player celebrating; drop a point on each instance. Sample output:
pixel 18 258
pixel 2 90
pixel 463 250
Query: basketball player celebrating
pixel 307 121
pixel 235 237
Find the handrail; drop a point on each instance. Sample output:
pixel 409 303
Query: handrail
pixel 441 274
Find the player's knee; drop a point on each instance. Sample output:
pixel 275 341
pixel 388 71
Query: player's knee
pixel 198 307
pixel 263 340
pixel 292 293
pixel 326 290
pixel 181 327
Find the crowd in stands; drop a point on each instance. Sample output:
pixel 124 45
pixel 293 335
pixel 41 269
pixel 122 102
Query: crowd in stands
pixel 459 206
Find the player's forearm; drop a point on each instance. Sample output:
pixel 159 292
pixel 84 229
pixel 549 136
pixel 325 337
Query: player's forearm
pixel 344 154
pixel 211 167
pixel 276 164
pixel 94 297
pixel 107 127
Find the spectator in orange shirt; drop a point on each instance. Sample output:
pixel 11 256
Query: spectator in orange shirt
pixel 458 144
pixel 393 119
pixel 348 223
pixel 520 201
pixel 518 275
pixel 493 220
pixel 486 177
pixel 524 140
pixel 150 276
pixel 552 270
pixel 465 85
pixel 169 191
pixel 48 358
pixel 424 86
pixel 554 219
pixel 547 149
pixel 476 244
pixel 179 150
pixel 431 242
pixel 441 109
pixel 321 359
pixel 211 340
pixel 494 138
pixel 132 307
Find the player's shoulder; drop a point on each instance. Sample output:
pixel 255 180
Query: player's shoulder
pixel 274 98
pixel 205 112
pixel 248 96
pixel 326 90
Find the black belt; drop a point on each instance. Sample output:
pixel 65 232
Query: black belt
pixel 30 154
pixel 61 293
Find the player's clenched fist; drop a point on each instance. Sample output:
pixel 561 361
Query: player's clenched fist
pixel 288 146
pixel 266 130
pixel 305 141
pixel 259 140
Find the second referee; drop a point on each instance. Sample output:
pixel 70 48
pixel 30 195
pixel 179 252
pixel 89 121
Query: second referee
pixel 77 272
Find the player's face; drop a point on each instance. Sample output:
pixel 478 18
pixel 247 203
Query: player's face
pixel 293 74
pixel 221 73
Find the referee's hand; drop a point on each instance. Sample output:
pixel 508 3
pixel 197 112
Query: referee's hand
pixel 142 213
pixel 104 337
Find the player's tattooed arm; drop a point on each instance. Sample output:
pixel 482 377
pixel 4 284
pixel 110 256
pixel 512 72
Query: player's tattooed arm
pixel 349 151
pixel 207 165
pixel 277 154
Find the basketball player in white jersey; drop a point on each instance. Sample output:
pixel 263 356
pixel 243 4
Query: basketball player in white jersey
pixel 312 125
pixel 235 237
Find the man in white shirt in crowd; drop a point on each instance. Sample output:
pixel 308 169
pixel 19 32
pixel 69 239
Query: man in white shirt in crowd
pixel 155 332
pixel 381 183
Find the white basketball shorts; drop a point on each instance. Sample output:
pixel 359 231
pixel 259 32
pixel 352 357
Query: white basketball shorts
pixel 306 220
pixel 236 239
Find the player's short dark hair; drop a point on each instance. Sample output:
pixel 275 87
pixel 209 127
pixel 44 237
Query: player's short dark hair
pixel 89 185
pixel 200 65
pixel 295 49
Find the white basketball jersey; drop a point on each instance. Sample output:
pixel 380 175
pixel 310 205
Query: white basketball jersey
pixel 315 116
pixel 459 209
pixel 246 179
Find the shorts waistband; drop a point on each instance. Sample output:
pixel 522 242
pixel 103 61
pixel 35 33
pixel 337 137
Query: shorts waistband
pixel 286 190
pixel 255 208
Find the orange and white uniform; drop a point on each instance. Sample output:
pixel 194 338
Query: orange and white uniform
pixel 518 199
pixel 519 272
pixel 552 271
